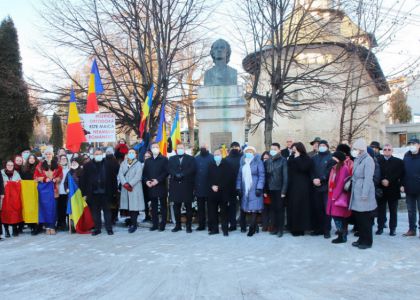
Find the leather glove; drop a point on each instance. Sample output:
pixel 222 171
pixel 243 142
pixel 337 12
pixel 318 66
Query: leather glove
pixel 258 193
pixel 239 193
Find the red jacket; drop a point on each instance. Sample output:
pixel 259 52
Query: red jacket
pixel 41 175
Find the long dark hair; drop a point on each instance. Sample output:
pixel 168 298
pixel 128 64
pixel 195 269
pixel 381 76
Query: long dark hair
pixel 264 154
pixel 52 167
pixel 27 167
pixel 300 148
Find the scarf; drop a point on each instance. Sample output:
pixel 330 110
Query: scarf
pixel 331 183
pixel 247 175
pixel 9 173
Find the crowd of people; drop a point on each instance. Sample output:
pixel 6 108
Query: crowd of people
pixel 282 190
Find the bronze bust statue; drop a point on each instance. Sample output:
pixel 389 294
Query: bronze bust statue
pixel 220 73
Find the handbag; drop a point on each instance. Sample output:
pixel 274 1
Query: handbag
pixel 347 184
pixel 342 201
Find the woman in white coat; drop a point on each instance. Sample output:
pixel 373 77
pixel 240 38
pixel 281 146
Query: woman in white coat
pixel 132 198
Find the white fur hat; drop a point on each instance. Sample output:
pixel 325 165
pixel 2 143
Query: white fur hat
pixel 250 148
pixel 360 144
pixel 49 150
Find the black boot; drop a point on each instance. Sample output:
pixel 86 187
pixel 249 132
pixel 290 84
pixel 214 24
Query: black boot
pixel 339 240
pixel 251 230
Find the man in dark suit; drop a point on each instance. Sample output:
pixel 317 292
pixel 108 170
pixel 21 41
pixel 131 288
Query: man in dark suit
pixel 181 168
pixel 99 182
pixel 287 152
pixel 392 171
pixel 155 173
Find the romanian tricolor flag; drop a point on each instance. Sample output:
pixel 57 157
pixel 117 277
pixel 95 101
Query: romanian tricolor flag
pixel 176 131
pixel 77 209
pixel 75 135
pixel 29 201
pixel 145 110
pixel 224 151
pixel 95 87
pixel 161 137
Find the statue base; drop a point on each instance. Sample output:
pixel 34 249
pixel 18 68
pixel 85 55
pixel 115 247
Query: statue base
pixel 220 112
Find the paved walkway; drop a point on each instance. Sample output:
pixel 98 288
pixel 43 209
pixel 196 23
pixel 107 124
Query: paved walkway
pixel 166 265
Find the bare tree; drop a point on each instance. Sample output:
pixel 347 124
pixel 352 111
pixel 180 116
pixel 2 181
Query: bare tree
pixel 136 43
pixel 285 78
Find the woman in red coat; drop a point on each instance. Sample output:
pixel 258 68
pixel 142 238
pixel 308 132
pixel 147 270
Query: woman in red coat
pixel 11 209
pixel 48 171
pixel 338 199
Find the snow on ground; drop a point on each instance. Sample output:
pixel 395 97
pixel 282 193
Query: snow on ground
pixel 166 265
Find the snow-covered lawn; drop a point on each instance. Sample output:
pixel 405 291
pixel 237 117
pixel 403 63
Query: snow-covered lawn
pixel 166 265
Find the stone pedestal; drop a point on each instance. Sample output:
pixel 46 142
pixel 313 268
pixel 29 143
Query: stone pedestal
pixel 220 112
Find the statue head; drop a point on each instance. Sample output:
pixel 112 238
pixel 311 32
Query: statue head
pixel 220 50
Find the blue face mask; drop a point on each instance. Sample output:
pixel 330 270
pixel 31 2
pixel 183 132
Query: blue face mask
pixel 25 155
pixel 273 152
pixel 249 155
pixel 131 156
pixel 323 149
pixel 180 151
pixel 217 158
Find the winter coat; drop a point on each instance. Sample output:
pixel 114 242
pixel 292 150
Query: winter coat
pixel 234 160
pixel 134 200
pixel 1 186
pixel 181 188
pixel 156 168
pixel 336 192
pixel 250 202
pixel 393 171
pixel 76 175
pixel 322 164
pixel 201 185
pixel 222 176
pixel 276 174
pixel 90 177
pixel 411 181
pixel 299 193
pixel 286 153
pixel 363 188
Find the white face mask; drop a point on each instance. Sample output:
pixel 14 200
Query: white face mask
pixel 412 148
pixel 155 151
pixel 355 153
pixel 99 157
pixel 323 149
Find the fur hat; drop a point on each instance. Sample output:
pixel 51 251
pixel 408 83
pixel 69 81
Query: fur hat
pixel 339 155
pixel 250 148
pixel 344 148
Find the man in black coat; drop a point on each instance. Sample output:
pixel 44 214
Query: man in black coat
pixel 221 176
pixel 392 172
pixel 201 184
pixel 155 173
pixel 322 164
pixel 287 152
pixel 181 168
pixel 234 159
pixel 276 182
pixel 99 182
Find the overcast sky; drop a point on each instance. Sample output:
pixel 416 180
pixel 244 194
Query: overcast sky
pixel 404 49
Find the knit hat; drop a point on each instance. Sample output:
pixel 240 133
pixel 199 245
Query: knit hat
pixel 360 144
pixel 339 155
pixel 324 142
pixel 235 144
pixel 250 148
pixel 109 150
pixel 344 148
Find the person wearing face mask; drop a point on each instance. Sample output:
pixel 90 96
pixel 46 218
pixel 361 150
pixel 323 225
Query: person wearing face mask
pixel 411 184
pixel 121 150
pixel 181 169
pixel 220 177
pixel 266 220
pixel 147 218
pixel 250 184
pixel 155 173
pixel 75 171
pixel 276 178
pixel 362 200
pixel 129 176
pixel 62 198
pixel 315 147
pixel 234 159
pixel 115 166
pixel 392 170
pixel 25 155
pixel 201 184
pixel 49 175
pixel 322 164
pixel 100 185
pixel 299 190
pixel 11 209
